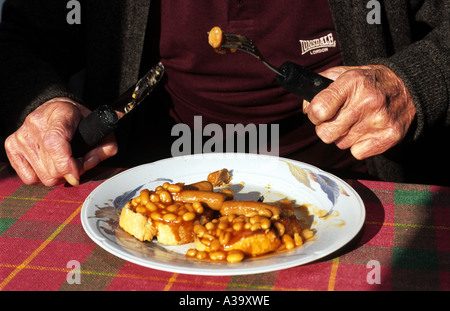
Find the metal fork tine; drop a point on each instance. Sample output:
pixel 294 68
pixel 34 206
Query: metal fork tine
pixel 241 48
pixel 238 39
pixel 242 43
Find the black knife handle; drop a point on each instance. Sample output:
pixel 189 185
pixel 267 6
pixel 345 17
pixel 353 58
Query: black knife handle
pixel 301 81
pixel 92 129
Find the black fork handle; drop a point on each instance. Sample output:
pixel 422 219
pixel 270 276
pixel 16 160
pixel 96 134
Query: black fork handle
pixel 301 81
pixel 92 129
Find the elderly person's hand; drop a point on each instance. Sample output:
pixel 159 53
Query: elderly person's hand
pixel 367 109
pixel 40 149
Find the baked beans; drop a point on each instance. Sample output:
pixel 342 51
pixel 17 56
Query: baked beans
pixel 220 236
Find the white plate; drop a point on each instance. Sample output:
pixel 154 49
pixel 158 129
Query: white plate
pixel 253 175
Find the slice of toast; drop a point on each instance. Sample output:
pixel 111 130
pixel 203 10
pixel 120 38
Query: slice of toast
pixel 248 242
pixel 255 243
pixel 144 228
pixel 175 233
pixel 138 225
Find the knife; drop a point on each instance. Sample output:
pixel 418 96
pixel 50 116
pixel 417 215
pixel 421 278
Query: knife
pixel 104 120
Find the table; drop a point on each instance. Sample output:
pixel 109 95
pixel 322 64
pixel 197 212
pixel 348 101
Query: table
pixel 404 245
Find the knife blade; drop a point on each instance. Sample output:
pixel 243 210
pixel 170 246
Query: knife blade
pixel 105 119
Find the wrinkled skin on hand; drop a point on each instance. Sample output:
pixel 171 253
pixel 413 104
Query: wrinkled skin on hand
pixel 40 151
pixel 367 109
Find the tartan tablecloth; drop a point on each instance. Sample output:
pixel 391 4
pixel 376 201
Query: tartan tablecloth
pixel 404 245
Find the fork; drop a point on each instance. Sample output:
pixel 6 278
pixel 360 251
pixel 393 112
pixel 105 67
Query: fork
pixel 296 79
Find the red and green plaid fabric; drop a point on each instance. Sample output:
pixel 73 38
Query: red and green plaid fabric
pixel 407 231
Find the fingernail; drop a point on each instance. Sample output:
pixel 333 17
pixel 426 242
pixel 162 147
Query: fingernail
pixel 305 106
pixel 91 163
pixel 72 180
